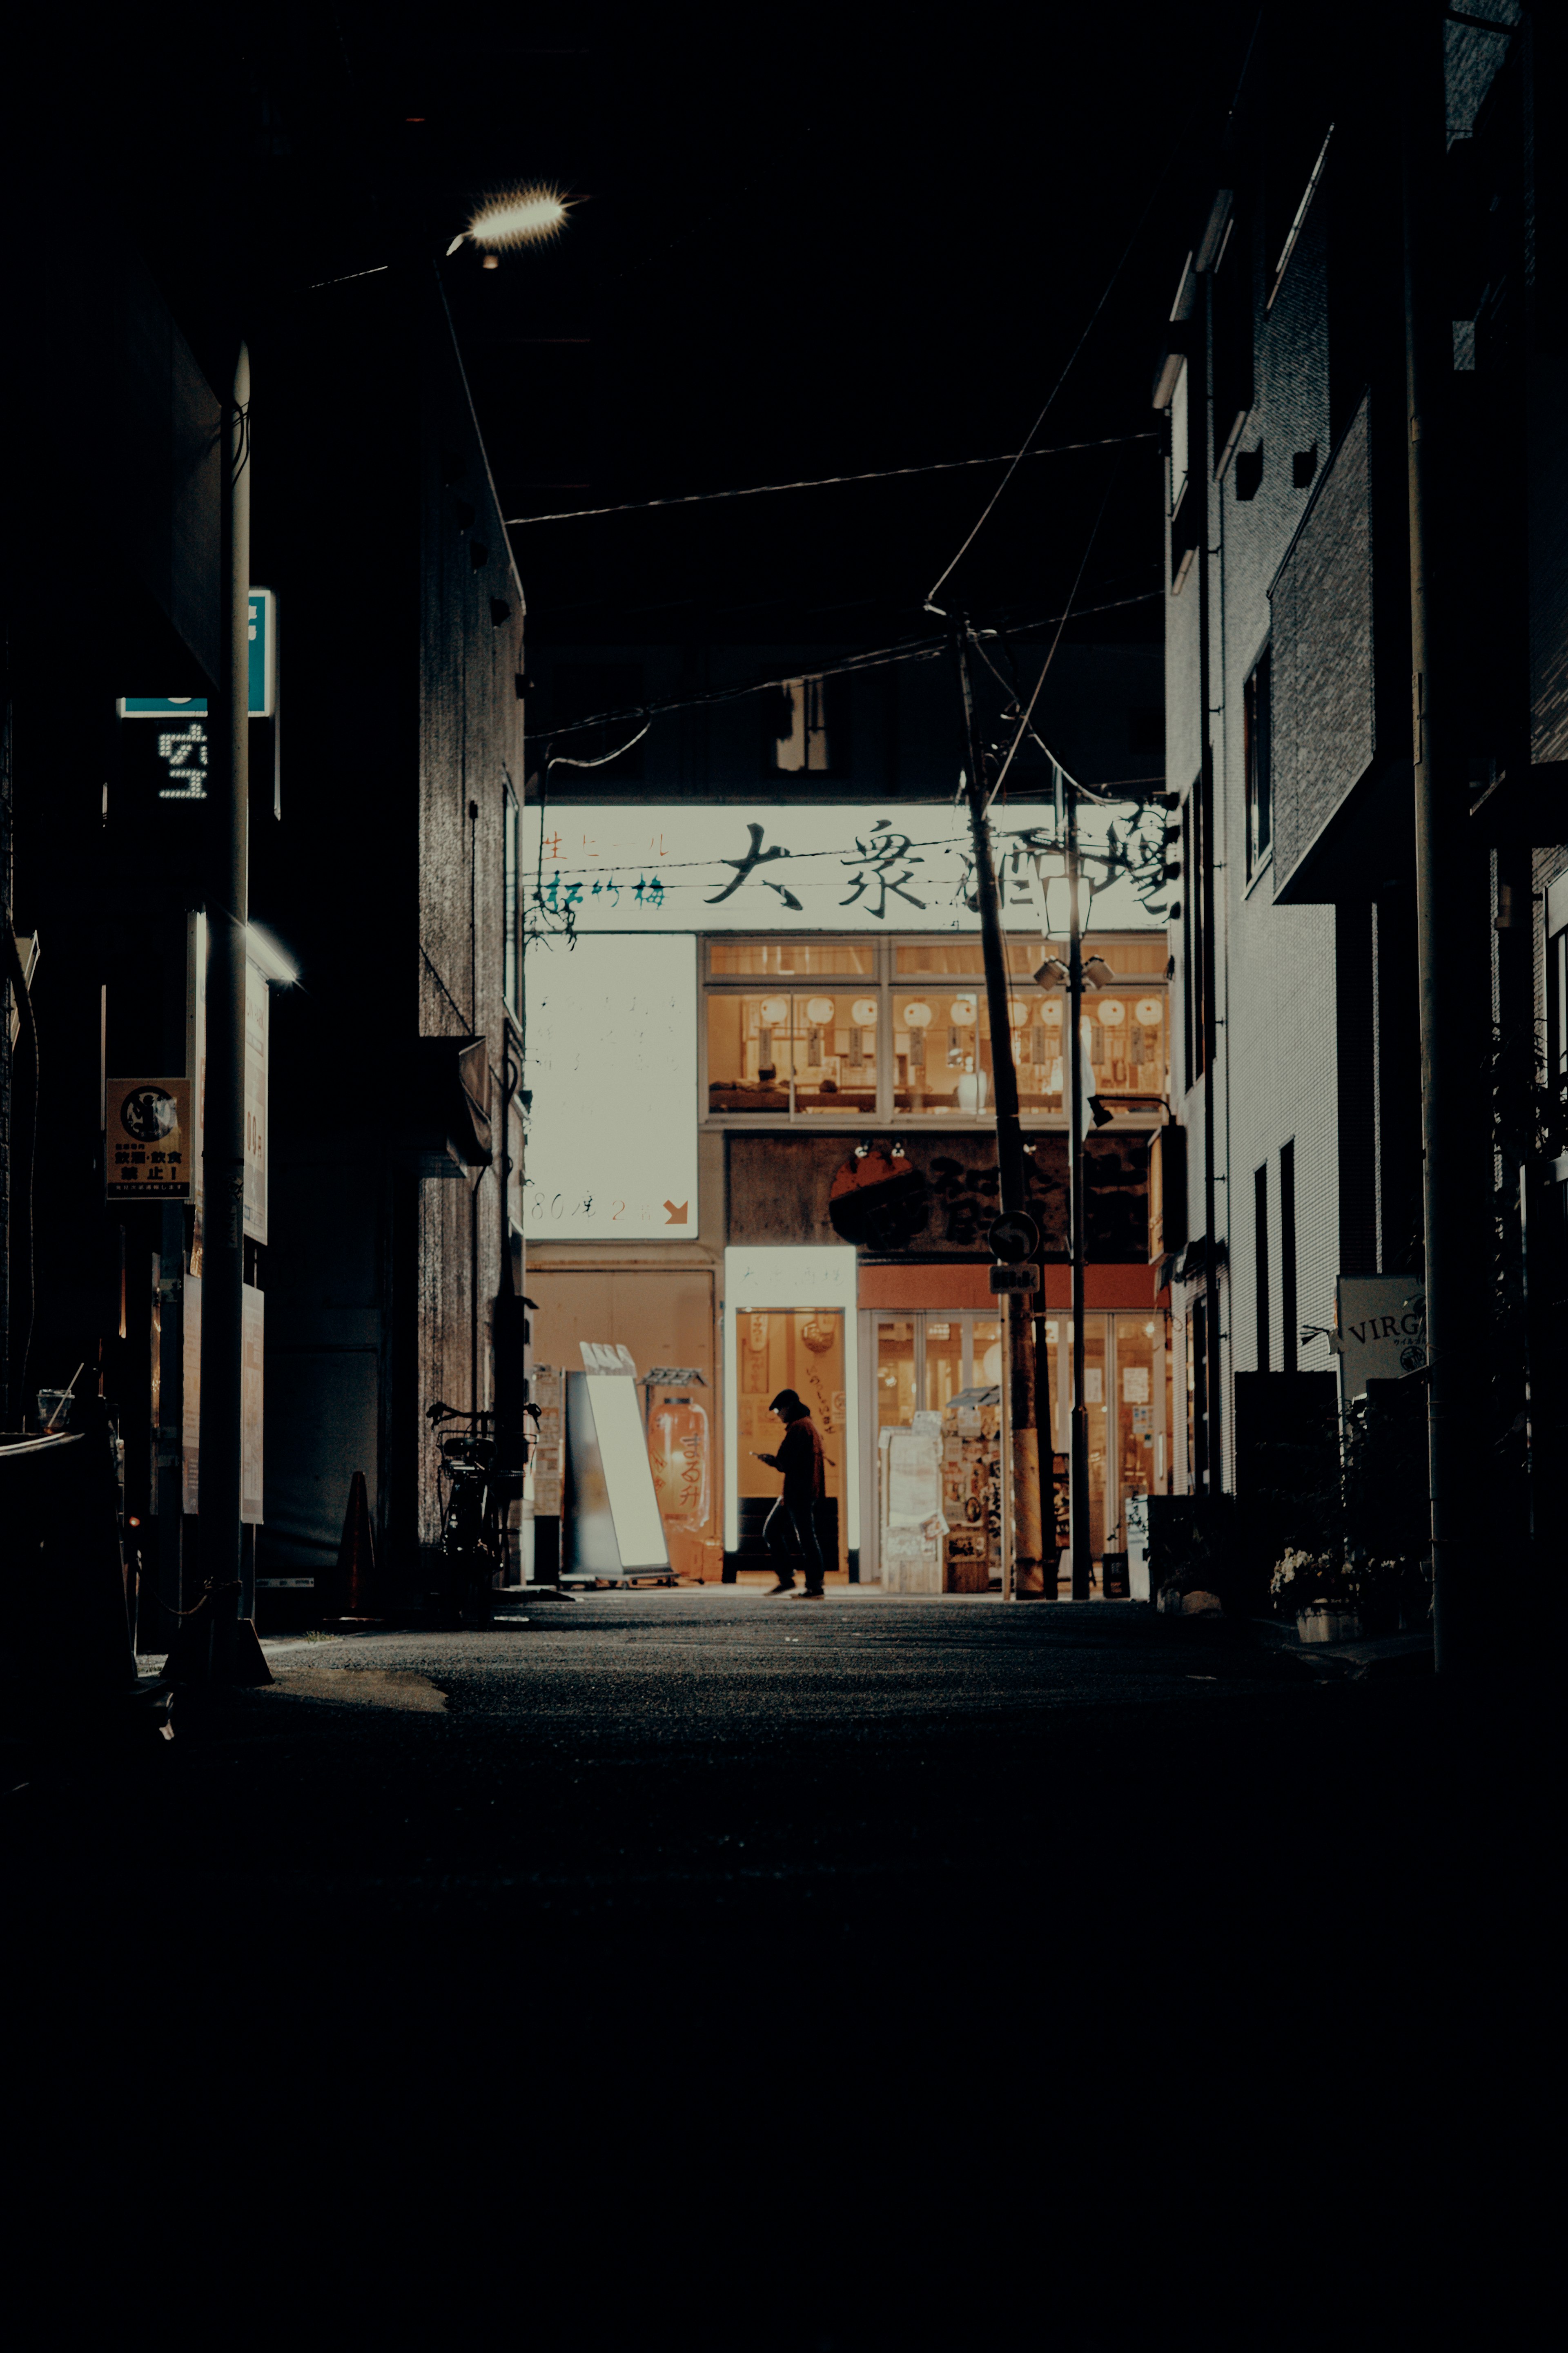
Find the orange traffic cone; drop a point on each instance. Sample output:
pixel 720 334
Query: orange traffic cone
pixel 356 1553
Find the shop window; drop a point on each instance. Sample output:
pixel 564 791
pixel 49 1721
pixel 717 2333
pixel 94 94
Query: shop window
pixel 896 1372
pixel 918 1045
pixel 794 959
pixel 782 1053
pixel 944 1360
pixel 1139 1463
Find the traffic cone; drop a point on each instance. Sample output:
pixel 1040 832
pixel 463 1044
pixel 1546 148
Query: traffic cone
pixel 356 1553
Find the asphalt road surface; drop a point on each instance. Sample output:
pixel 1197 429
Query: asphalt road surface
pixel 816 1975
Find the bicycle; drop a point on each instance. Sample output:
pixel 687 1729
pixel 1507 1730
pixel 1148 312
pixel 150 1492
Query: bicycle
pixel 473 1516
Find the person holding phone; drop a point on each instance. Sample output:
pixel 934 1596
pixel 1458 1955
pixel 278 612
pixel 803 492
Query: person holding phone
pixel 792 1524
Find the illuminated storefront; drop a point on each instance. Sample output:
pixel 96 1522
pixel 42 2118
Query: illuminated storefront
pixel 736 1010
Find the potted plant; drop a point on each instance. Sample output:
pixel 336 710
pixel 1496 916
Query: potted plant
pixel 1314 1588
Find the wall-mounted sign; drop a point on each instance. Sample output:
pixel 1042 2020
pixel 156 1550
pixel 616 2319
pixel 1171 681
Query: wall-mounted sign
pixel 263 673
pixel 149 1152
pixel 785 868
pixel 612 1065
pixel 1381 1332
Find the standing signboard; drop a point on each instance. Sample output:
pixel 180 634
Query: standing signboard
pixel 613 1530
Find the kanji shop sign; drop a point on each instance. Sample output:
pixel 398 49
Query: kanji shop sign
pixel 148 1153
pixel 819 869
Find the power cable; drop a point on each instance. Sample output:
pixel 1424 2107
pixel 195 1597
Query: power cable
pixel 821 482
pixel 1105 296
pixel 1051 655
pixel 875 658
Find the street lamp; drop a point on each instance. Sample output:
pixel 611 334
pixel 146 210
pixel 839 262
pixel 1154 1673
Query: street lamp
pixel 519 217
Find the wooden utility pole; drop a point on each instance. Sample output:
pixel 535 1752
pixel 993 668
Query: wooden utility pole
pixel 1026 1572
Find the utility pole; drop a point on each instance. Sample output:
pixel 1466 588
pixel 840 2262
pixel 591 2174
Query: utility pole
pixel 1455 1142
pixel 226 1655
pixel 1082 1549
pixel 1023 1420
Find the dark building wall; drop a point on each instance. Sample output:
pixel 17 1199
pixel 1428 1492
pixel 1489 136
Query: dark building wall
pixel 894 729
pixel 1322 638
pixel 403 725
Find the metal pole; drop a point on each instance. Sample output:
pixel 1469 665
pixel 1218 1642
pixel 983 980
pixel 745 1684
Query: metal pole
pixel 1023 1570
pixel 1453 1135
pixel 223 1157
pixel 1081 1553
pixel 1203 880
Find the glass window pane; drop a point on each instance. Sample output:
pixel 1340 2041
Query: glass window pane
pixel 1037 1051
pixel 895 1373
pixel 988 1352
pixel 1136 1405
pixel 798 959
pixel 1094 1397
pixel 834 1046
pixel 956 956
pixel 941 1051
pixel 748 1053
pixel 944 1361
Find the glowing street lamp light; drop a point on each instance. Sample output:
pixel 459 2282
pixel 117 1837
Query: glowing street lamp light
pixel 516 218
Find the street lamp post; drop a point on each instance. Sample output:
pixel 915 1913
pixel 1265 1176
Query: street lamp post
pixel 1081 1553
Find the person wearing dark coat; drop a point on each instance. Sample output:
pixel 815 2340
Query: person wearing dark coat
pixel 791 1525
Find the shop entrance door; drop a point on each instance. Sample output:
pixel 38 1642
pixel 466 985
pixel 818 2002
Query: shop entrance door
pixel 1124 1382
pixel 802 1349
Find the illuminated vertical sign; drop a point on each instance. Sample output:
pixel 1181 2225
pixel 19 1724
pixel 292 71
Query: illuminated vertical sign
pixel 612 1065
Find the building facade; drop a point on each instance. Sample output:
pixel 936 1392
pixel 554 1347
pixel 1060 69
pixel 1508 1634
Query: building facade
pixel 1297 1067
pixel 384 818
pixel 743 1004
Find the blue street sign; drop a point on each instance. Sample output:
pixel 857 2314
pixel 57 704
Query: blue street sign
pixel 263 673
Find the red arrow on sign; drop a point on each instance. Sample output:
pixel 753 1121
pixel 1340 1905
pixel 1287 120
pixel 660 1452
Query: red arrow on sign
pixel 676 1216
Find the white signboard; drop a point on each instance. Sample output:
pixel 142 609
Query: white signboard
pixel 779 867
pixel 1380 1333
pixel 612 1064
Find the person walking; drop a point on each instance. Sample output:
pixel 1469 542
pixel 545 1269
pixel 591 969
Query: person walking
pixel 791 1525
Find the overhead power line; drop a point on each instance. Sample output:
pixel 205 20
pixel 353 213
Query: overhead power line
pixel 829 482
pixel 875 658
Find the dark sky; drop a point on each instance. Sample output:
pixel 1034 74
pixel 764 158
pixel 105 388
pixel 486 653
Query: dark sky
pixel 813 241
pixel 805 240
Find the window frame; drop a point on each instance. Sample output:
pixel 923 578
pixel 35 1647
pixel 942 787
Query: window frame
pixel 1258 762
pixel 885 982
